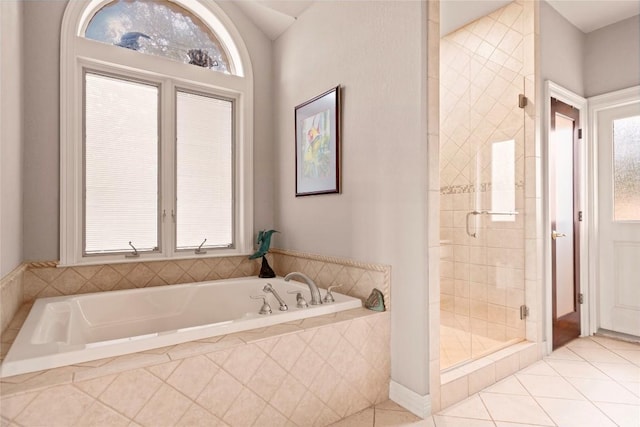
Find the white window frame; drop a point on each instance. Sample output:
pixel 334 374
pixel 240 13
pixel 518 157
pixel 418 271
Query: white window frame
pixel 79 55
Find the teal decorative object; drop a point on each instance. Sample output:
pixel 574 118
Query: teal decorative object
pixel 375 301
pixel 264 240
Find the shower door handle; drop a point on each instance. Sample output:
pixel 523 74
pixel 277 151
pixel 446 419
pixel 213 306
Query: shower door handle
pixel 469 214
pixel 555 235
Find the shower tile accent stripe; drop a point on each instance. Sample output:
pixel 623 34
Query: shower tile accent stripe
pixel 471 188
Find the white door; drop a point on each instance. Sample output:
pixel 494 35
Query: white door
pixel 618 142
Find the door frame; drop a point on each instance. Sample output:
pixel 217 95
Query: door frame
pixel 553 90
pixel 596 105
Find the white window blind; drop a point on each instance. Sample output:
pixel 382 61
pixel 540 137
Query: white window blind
pixel 121 165
pixel 204 171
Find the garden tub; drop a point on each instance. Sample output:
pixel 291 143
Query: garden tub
pixel 67 330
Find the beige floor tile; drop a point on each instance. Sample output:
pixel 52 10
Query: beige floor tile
pixel 564 353
pixel 505 424
pixel 604 391
pixel 509 385
pixel 445 421
pixel 574 413
pixel 585 342
pixel 515 409
pixel 576 369
pixel 599 355
pixel 632 356
pixel 620 372
pixel 614 344
pixel 541 386
pixel 468 408
pixel 540 368
pixel 623 415
pixel 633 387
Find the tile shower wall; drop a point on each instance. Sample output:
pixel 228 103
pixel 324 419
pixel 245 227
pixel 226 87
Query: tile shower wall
pixel 482 279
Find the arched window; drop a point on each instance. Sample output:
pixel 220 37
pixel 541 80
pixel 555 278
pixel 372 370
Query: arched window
pixel 156 132
pixel 158 28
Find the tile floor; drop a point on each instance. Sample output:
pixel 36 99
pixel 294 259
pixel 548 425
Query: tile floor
pixel 593 381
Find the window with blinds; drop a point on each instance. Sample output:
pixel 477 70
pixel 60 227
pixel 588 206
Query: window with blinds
pixel 156 153
pixel 121 165
pixel 123 149
pixel 204 171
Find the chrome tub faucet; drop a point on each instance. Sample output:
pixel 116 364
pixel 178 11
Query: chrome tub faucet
pixel 315 292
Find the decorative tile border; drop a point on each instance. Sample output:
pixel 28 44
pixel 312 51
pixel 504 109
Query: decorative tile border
pixel 309 372
pixel 471 188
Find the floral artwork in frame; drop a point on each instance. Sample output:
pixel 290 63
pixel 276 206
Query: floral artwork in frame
pixel 318 144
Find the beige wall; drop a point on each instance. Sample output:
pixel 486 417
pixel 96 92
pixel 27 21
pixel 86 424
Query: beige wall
pixel 602 61
pixel 612 57
pixel 374 51
pixel 42 23
pixel 562 48
pixel 11 136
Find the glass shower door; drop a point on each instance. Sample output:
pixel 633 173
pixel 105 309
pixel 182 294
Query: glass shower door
pixel 495 227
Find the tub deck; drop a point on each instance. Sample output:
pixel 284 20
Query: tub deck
pixel 68 330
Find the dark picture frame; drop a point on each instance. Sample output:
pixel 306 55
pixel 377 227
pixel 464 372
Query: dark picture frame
pixel 317 123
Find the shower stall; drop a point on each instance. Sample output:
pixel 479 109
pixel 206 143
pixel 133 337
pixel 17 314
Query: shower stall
pixel 482 173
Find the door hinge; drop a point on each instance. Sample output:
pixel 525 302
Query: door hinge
pixel 524 312
pixel 581 298
pixel 522 100
pixel 580 216
pixel 579 133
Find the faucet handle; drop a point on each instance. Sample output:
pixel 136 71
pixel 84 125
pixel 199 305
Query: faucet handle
pixel 302 303
pixel 329 296
pixel 266 308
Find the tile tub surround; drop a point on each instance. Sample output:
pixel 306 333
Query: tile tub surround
pixel 11 297
pixel 309 372
pixel 358 279
pixel 45 279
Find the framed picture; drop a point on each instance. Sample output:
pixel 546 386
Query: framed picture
pixel 318 144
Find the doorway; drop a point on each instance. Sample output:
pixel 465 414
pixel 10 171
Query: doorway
pixel 616 121
pixel 565 216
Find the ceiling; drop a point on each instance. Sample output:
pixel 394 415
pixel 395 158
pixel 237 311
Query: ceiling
pixel 273 17
pixel 590 15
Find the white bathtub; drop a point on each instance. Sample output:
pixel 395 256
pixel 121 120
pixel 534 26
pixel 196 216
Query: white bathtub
pixel 61 331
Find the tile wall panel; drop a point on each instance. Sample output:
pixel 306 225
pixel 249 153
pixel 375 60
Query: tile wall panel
pixel 317 373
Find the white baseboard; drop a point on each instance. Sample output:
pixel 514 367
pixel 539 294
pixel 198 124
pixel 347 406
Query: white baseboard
pixel 410 400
